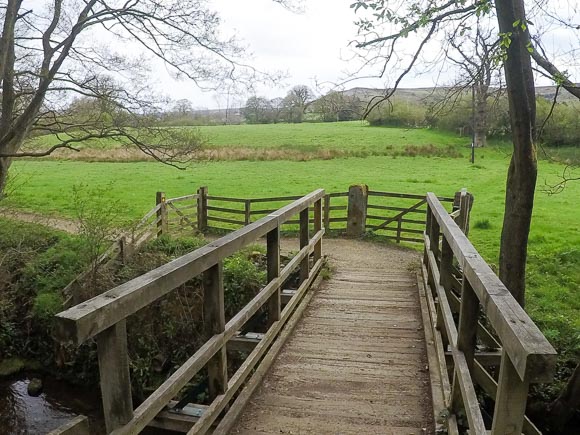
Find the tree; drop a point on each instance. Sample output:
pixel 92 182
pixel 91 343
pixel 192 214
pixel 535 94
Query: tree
pixel 258 110
pixel 336 106
pixel 381 47
pixel 296 102
pixel 49 54
pixel 518 48
pixel 476 58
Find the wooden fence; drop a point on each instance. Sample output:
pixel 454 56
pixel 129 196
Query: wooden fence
pixel 492 331
pixel 396 216
pixel 104 318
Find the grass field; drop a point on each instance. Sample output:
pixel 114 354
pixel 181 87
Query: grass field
pixel 554 266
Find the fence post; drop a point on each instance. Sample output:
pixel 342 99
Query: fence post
pixel 162 225
pixel 125 249
pixel 273 271
pixel 304 240
pixel 247 209
pixel 114 376
pixel 399 228
pixel 327 212
pixel 510 400
pixel 215 323
pixel 463 201
pixel 202 209
pixel 357 210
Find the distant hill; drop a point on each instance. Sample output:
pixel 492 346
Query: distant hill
pixel 426 94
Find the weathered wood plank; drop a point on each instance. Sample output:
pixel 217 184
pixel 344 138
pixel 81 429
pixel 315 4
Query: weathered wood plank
pixel 273 271
pixel 91 317
pixel 114 374
pixel 77 426
pixel 510 400
pixel 532 355
pixel 214 323
pixel 237 407
pixel 248 365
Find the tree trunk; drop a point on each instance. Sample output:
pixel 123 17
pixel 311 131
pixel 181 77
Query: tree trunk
pixel 522 173
pixel 567 405
pixel 4 166
pixel 480 128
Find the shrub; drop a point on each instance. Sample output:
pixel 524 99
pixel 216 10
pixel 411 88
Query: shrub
pixel 482 224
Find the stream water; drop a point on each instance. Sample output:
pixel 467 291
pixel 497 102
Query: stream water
pixel 58 403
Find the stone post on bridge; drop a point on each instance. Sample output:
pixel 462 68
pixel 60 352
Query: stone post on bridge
pixel 357 210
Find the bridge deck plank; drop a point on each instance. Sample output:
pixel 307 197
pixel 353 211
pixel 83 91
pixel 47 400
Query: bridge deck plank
pixel 356 363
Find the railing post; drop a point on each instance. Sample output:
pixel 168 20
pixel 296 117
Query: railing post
pixel 114 376
pixel 357 210
pixel 304 240
pixel 428 218
pixel 434 233
pixel 202 209
pixel 510 400
pixel 327 212
pixel 444 279
pixel 215 322
pixel 273 266
pixel 162 225
pixel 247 209
pixel 463 201
pixel 466 334
pixel 465 210
pixel 317 228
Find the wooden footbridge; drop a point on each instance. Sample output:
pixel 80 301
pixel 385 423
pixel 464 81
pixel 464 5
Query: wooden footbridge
pixel 392 343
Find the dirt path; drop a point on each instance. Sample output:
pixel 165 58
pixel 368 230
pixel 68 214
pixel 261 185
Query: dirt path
pixel 60 224
pixel 356 363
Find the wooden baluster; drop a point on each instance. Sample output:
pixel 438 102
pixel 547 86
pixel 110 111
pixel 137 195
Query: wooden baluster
pixel 327 212
pixel 202 209
pixel 466 334
pixel 114 376
pixel 510 400
pixel 428 219
pixel 215 322
pixel 444 279
pixel 317 228
pixel 434 234
pixel 304 239
pixel 273 266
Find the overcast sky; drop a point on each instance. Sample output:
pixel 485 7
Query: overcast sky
pixel 312 48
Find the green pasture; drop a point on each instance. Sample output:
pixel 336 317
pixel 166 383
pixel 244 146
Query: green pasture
pixel 301 137
pixel 554 248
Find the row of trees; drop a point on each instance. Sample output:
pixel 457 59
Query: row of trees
pixel 557 124
pixel 299 103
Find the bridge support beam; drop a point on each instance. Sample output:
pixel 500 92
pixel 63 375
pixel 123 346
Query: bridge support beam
pixel 357 210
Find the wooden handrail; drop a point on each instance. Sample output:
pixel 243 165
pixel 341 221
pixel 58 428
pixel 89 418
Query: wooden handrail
pixel 104 316
pixel 531 353
pixel 86 320
pixel 526 355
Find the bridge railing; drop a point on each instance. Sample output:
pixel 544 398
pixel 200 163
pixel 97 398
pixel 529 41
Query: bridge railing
pixel 399 217
pixel 492 331
pixel 104 317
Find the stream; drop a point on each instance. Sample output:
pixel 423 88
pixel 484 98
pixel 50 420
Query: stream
pixel 58 403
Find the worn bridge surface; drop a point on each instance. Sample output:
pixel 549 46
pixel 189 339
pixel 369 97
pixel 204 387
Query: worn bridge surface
pixel 356 363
